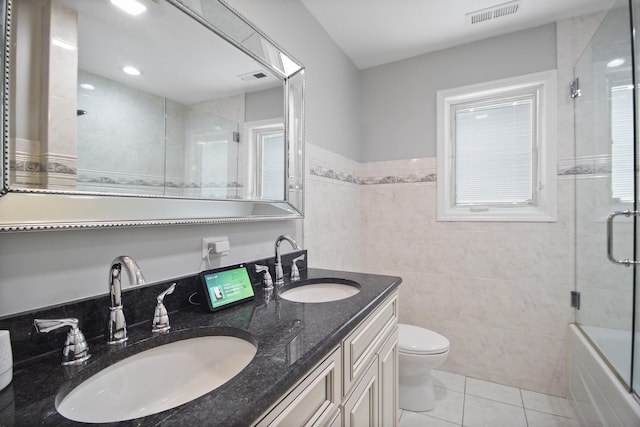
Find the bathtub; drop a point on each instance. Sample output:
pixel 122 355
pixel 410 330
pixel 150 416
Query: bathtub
pixel 596 393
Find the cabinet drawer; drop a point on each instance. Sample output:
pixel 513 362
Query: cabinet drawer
pixel 360 346
pixel 312 402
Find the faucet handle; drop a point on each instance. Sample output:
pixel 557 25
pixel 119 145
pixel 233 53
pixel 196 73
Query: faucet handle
pixel 160 316
pixel 268 281
pixel 295 273
pixel 75 349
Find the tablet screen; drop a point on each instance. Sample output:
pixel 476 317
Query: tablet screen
pixel 226 286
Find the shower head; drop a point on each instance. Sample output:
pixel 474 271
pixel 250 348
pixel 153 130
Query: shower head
pixel 81 112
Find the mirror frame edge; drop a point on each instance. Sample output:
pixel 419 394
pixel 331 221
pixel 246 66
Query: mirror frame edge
pixel 68 206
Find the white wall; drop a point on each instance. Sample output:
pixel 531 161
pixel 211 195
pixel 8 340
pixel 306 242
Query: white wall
pixel 42 268
pixel 399 99
pixel 332 81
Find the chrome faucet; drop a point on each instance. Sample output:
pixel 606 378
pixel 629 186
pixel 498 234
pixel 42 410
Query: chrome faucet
pixel 267 281
pixel 279 274
pixel 117 324
pixel 160 321
pixel 295 271
pixel 75 349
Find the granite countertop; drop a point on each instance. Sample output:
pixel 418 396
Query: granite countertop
pixel 271 323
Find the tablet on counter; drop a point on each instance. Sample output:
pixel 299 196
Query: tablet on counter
pixel 226 286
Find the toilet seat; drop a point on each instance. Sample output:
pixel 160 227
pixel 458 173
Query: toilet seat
pixel 420 341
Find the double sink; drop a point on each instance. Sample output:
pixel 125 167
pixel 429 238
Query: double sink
pixel 175 373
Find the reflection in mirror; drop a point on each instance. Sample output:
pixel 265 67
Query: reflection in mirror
pixel 181 112
pixel 127 106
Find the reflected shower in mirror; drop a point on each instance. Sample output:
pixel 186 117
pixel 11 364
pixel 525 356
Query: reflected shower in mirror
pixel 145 102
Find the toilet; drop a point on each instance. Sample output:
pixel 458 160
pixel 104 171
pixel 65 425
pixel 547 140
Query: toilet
pixel 420 350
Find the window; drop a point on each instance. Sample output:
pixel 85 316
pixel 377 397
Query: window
pixel 496 152
pixel 263 143
pixel 270 178
pixel 622 143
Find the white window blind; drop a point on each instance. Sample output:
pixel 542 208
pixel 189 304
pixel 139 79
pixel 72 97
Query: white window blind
pixel 622 143
pixel 272 158
pixel 496 150
pixel 494 153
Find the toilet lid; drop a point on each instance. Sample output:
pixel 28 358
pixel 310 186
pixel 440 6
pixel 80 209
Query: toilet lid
pixel 416 340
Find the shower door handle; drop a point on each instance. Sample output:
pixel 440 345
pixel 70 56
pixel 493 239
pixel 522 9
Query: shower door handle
pixel 612 215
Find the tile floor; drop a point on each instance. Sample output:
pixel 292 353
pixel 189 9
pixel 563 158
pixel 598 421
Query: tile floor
pixel 465 401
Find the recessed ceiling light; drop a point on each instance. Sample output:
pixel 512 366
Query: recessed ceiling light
pixel 132 7
pixel 132 71
pixel 63 44
pixel 87 86
pixel 615 62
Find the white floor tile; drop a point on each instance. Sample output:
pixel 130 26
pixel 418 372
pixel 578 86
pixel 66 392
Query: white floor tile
pixel 416 419
pixel 449 405
pixel 476 403
pixel 493 391
pixel 453 382
pixel 548 404
pixel 538 419
pixel 479 412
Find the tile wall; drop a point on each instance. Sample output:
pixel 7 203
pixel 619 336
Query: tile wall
pixel 332 229
pixel 498 291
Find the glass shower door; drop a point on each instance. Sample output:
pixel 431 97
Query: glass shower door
pixel 604 127
pixel 635 22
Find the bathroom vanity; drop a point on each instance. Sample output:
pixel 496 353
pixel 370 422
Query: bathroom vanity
pixel 331 363
pixel 355 385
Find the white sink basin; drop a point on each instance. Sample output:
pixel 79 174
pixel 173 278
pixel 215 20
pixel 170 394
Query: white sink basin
pixel 321 292
pixel 158 379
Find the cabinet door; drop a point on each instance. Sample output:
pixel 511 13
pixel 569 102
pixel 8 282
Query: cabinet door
pixel 337 421
pixel 388 379
pixel 314 401
pixel 360 346
pixel 361 408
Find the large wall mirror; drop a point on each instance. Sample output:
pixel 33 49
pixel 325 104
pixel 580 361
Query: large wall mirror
pixel 139 112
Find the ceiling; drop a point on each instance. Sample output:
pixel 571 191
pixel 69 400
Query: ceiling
pixel 375 32
pixel 154 42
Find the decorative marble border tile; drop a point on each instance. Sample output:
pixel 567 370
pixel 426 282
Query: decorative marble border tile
pixel 333 174
pixel 25 166
pixel 57 167
pixel 330 173
pixel 122 179
pixel 326 164
pixel 587 165
pixel 423 170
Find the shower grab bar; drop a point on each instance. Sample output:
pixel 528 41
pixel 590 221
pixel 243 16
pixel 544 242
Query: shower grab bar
pixel 610 218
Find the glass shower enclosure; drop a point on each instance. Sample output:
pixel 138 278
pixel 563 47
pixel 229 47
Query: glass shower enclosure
pixel 606 231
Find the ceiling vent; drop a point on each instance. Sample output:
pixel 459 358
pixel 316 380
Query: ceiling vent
pixel 254 75
pixel 493 12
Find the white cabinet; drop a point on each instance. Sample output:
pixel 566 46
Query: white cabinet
pixel 388 380
pixel 370 369
pixel 374 399
pixel 355 386
pixel 313 401
pixel 361 409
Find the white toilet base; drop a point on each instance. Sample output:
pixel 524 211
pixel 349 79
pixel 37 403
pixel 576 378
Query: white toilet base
pixel 417 356
pixel 417 396
pixel 415 391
